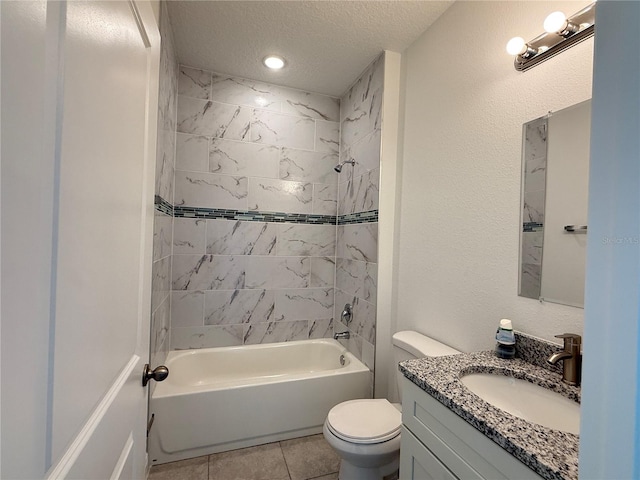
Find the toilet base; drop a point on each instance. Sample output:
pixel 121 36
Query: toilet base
pixel 349 471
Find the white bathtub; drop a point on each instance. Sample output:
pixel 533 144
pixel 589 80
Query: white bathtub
pixel 220 399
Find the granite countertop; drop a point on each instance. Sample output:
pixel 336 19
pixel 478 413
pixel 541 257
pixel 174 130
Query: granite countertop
pixel 552 454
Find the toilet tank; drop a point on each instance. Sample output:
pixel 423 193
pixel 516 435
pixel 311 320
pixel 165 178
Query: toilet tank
pixel 408 345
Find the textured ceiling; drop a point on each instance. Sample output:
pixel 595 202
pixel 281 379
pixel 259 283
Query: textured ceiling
pixel 326 44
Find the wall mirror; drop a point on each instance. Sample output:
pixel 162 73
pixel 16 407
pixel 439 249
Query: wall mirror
pixel 555 179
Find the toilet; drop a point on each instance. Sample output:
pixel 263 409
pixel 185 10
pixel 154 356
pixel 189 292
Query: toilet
pixel 366 433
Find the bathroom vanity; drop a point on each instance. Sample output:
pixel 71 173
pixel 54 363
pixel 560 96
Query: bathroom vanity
pixel 448 432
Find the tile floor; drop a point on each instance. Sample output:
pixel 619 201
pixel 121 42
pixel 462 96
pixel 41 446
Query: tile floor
pixel 297 459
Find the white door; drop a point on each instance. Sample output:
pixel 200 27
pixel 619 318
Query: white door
pixel 567 197
pixel 90 104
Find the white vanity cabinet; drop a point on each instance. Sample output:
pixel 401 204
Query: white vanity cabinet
pixel 438 444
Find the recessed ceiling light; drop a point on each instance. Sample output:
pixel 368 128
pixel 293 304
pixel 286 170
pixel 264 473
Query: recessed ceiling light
pixel 273 62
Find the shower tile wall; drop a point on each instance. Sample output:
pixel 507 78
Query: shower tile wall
pixel 535 161
pixel 163 220
pixel 357 243
pixel 244 151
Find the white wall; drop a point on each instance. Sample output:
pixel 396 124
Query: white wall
pixel 460 199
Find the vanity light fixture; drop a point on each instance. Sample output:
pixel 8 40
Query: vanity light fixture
pixel 274 62
pixel 560 33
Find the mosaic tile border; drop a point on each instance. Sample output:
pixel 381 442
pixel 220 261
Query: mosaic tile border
pixel 163 206
pixel 258 216
pixel 276 217
pixel 361 217
pixel 532 226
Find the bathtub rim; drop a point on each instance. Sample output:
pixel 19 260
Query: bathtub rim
pixel 166 390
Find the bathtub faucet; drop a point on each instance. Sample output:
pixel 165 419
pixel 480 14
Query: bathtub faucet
pixel 345 335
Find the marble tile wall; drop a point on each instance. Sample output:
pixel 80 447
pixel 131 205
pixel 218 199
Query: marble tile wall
pixel 534 187
pixel 163 220
pixel 357 243
pixel 249 146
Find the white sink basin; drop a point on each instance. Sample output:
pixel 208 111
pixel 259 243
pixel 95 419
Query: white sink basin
pixel 526 400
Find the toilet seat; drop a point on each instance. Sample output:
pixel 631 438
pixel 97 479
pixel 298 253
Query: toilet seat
pixel 365 421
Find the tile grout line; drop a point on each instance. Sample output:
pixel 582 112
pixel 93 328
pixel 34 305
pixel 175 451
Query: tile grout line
pixel 285 460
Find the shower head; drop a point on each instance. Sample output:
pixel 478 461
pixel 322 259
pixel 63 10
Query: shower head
pixel 338 168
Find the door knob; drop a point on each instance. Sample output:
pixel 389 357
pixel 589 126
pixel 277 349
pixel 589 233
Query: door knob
pixel 158 374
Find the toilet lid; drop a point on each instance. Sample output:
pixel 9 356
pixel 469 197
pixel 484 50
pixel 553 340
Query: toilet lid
pixel 365 421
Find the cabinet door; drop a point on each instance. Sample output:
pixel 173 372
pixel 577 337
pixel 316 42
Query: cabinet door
pixel 418 463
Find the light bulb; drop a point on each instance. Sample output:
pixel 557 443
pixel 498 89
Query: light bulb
pixel 516 46
pixel 555 22
pixel 273 62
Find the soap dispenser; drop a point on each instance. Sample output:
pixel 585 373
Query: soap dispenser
pixel 506 346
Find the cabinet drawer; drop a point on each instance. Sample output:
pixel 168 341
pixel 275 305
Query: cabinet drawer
pixel 465 451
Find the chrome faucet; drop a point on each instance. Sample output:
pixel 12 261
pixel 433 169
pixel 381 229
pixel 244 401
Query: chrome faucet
pixel 571 358
pixel 345 335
